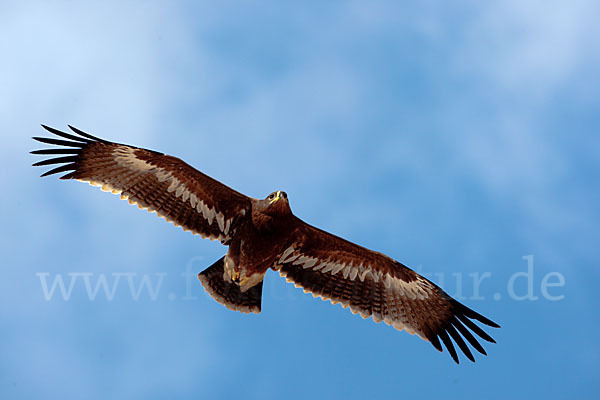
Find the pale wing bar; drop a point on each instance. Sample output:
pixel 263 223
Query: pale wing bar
pixel 152 180
pixel 373 285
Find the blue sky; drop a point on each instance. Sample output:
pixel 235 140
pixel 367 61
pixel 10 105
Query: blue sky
pixel 458 139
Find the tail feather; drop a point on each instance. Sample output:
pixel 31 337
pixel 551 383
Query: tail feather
pixel 227 292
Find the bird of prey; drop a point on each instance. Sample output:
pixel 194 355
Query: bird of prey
pixel 265 234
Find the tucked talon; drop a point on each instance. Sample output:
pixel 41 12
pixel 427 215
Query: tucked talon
pixel 243 281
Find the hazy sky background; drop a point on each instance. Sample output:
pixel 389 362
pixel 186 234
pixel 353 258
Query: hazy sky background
pixel 457 138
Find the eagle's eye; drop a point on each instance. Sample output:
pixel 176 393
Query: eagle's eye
pixel 271 196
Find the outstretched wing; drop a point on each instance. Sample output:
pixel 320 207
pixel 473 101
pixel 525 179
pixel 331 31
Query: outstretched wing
pixel 372 284
pixel 154 181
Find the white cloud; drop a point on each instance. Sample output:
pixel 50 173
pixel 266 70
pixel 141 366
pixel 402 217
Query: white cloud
pixel 91 65
pixel 529 49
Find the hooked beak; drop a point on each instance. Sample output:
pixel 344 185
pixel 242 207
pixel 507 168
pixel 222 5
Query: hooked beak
pixel 276 197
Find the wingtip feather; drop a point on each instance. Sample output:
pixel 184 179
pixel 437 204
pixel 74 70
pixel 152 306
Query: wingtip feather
pixel 56 160
pixel 471 325
pixel 448 343
pixel 59 142
pixel 86 135
pixel 468 335
pixel 436 343
pixel 62 168
pixel 468 312
pixel 460 342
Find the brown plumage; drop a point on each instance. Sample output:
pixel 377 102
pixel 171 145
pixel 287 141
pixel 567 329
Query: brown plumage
pixel 263 234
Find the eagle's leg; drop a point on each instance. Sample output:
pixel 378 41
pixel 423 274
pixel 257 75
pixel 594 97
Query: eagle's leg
pixel 239 270
pixel 229 293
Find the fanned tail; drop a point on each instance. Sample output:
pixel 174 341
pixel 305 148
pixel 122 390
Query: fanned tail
pixel 227 292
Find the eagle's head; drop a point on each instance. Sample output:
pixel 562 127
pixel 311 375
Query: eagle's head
pixel 276 204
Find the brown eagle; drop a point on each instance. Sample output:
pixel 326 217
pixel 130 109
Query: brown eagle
pixel 263 234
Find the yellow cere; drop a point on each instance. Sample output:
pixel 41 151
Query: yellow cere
pixel 276 198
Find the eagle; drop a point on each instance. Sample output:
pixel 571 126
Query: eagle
pixel 263 234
